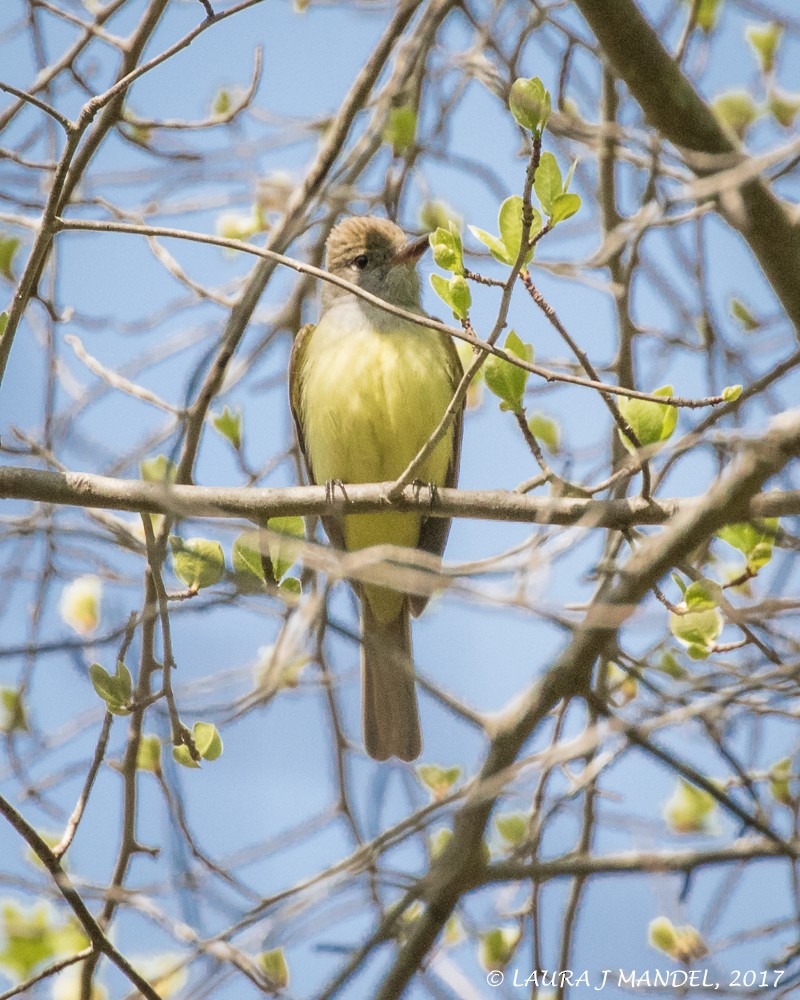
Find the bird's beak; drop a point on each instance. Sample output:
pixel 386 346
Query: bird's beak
pixel 411 252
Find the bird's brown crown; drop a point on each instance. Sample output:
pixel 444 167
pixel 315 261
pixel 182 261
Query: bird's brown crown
pixel 380 239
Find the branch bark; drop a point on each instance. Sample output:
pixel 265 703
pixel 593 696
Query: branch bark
pixel 455 870
pixel 82 489
pixel 100 943
pixel 676 110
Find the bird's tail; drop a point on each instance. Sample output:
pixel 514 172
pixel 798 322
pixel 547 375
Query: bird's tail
pixel 389 697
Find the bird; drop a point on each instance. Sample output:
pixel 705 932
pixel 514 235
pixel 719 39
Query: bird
pixel 367 389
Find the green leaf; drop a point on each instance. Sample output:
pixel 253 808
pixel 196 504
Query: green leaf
pixel 546 430
pixel 165 972
pixel 764 40
pixel 291 585
pixel 453 932
pixel 753 541
pixel 229 424
pixel 669 665
pixel 438 780
pixel 30 939
pixel 14 718
pixel 51 839
pixel 505 379
pixel 679 583
pixel 697 630
pixel 207 740
pixel 780 777
pixel 438 841
pixel 460 296
pixel 148 757
pixel 445 258
pixel 530 103
pixel 783 107
pixel 441 286
pixel 731 393
pixel 283 551
pixel 139 134
pixel 3 322
pixel 708 12
pixel 400 128
pixel 690 809
pixel 740 312
pixel 438 215
pixel 123 681
pixel 509 221
pixel 454 292
pixel 222 103
pixel 622 685
pixel 233 226
pixel 702 594
pixel 8 247
pixel 496 246
pixel 683 944
pixel 570 175
pixel 661 935
pixel 115 689
pixel 564 207
pixel 247 565
pixel 652 423
pixel 497 946
pixel 275 967
pixel 513 827
pixel 736 109
pixel 80 604
pixel 197 562
pixel 447 248
pixel 182 755
pixel 547 183
pixel 158 470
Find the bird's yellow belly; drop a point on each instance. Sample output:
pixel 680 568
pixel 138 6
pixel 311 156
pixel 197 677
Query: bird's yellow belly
pixel 375 398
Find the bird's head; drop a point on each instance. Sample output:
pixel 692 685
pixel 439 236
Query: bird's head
pixel 376 255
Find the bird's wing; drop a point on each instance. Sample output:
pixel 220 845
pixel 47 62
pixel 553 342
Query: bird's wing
pixel 434 532
pixel 297 361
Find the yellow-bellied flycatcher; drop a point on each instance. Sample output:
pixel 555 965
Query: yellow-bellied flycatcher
pixel 367 390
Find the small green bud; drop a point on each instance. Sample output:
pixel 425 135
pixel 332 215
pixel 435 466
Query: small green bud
pixel 438 780
pixel 497 946
pixel 275 968
pixel 780 776
pixel 661 935
pixel 530 104
pixel 731 393
pixel 512 827
pixel 690 809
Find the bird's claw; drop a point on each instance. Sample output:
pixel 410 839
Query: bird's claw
pixel 330 490
pixel 433 491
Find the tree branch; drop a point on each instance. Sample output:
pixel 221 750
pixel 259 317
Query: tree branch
pixel 454 871
pixel 677 111
pixel 82 489
pixel 100 943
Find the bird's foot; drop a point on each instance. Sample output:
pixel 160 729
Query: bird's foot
pixel 330 490
pixel 432 488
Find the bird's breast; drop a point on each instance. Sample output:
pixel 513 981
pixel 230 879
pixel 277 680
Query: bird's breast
pixel 372 397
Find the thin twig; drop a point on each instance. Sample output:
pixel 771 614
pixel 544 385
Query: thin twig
pixel 100 943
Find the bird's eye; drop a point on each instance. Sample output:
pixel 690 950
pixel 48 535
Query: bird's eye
pixel 361 261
